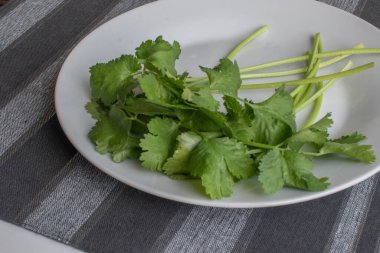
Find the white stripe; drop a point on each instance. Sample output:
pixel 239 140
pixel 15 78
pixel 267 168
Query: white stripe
pixel 347 5
pixel 209 230
pixel 72 202
pixel 22 18
pixel 353 213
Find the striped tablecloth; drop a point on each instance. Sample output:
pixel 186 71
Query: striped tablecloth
pixel 47 187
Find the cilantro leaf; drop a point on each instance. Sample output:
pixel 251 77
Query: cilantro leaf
pixel 203 120
pixel 297 169
pixel 178 163
pixel 153 89
pixel 316 133
pixel 109 79
pixel 146 107
pixel 288 168
pixel 159 54
pixel 279 107
pixel 203 98
pixel 112 134
pixel 96 110
pixel 354 137
pixel 224 78
pixel 218 161
pixel 269 130
pixel 159 144
pixel 270 168
pixel 363 153
pixel 239 119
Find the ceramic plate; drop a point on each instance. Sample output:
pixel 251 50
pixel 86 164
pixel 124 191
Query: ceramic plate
pixel 207 30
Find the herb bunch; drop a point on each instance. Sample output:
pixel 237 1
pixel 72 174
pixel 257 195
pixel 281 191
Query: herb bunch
pixel 174 124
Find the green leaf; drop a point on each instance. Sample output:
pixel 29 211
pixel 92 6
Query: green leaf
pixel 270 175
pixel 316 133
pixel 159 144
pixel 203 120
pixel 203 98
pixel 159 54
pixel 197 121
pixel 112 134
pixel 363 153
pixel 110 79
pixel 218 161
pixel 239 119
pixel 279 107
pixel 291 169
pixel 224 78
pixel 354 137
pixel 96 110
pixel 297 170
pixel 154 90
pixel 146 107
pixel 323 124
pixel 269 130
pixel 178 163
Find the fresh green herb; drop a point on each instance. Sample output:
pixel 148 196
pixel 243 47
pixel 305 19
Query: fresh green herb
pixel 174 124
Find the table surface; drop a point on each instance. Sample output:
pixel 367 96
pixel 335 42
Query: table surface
pixel 98 207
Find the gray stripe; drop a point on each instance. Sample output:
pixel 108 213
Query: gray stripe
pixel 72 202
pixel 348 226
pixel 32 104
pixel 22 18
pixel 209 230
pixel 347 5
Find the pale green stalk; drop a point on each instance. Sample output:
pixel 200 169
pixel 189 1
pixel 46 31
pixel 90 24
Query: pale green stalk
pixel 309 80
pixel 305 57
pixel 242 44
pixel 322 90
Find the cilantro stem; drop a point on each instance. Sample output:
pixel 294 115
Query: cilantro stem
pixel 242 44
pixel 323 64
pixel 320 55
pixel 311 153
pixel 254 151
pixel 321 90
pixel 312 74
pixel 259 145
pixel 309 80
pixel 312 70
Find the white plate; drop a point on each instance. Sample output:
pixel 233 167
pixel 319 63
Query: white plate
pixel 206 31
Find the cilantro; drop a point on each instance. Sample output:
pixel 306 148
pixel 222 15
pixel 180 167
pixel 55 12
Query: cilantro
pixel 354 137
pixel 288 168
pixel 109 79
pixel 112 134
pixel 363 153
pixel 178 163
pixel 316 133
pixel 154 90
pixel 175 124
pixel 224 78
pixel 218 162
pixel 239 119
pixel 158 145
pixel 203 98
pixel 159 54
